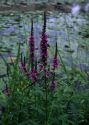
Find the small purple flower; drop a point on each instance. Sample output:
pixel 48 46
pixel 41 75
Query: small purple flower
pixel 53 85
pixel 55 63
pixel 41 67
pixel 47 72
pixel 34 75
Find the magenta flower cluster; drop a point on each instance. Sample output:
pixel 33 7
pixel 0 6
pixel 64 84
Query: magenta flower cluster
pixel 53 85
pixel 55 60
pixel 33 71
pixel 43 44
pixel 55 63
pixel 30 74
pixel 43 47
pixel 34 75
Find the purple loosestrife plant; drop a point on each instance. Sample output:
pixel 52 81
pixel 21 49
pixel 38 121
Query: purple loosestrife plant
pixel 33 72
pixel 31 46
pixel 55 60
pixel 34 75
pixel 23 66
pixel 53 85
pixel 44 55
pixel 43 44
pixel 55 65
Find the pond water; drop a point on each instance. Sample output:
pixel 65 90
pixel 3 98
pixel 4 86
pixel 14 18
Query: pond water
pixel 39 1
pixel 66 29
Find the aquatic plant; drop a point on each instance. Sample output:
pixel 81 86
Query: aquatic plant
pixel 34 75
pixel 55 60
pixel 40 96
pixel 23 66
pixel 43 44
pixel 31 46
pixel 55 65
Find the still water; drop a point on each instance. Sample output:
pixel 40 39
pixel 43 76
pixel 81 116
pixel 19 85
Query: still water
pixel 66 29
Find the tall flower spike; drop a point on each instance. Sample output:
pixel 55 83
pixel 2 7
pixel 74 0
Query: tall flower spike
pixel 23 66
pixel 34 73
pixel 44 26
pixel 55 60
pixel 43 44
pixel 31 46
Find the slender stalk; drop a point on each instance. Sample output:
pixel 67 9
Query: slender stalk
pixel 63 65
pixel 50 113
pixel 46 98
pixel 46 93
pixel 43 46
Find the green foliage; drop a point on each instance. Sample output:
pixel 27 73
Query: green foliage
pixel 35 104
pixel 26 104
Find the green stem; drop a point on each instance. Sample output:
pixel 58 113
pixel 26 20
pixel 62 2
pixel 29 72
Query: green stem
pixel 64 67
pixel 46 97
pixel 50 113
